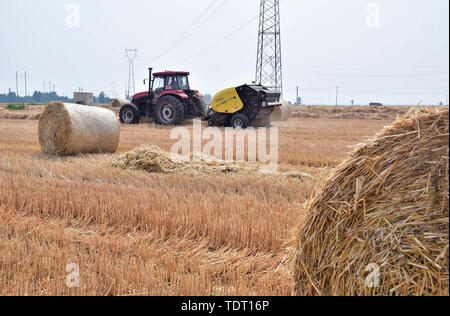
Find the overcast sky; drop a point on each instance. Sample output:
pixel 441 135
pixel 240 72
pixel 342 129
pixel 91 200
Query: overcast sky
pixel 391 51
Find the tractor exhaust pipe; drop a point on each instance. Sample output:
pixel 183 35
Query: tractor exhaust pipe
pixel 149 79
pixel 150 70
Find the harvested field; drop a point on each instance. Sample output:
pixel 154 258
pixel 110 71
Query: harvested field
pixel 350 112
pixel 134 232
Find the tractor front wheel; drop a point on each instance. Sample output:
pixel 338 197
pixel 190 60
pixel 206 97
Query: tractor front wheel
pixel 240 121
pixel 169 111
pixel 129 114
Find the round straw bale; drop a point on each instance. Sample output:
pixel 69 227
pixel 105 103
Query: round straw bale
pixel 118 103
pixel 380 226
pixel 70 129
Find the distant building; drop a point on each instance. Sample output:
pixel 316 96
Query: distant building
pixel 375 104
pixel 84 98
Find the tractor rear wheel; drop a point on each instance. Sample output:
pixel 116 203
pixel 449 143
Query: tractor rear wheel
pixel 129 114
pixel 169 111
pixel 240 121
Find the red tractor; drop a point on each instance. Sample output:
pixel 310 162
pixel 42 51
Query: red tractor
pixel 169 100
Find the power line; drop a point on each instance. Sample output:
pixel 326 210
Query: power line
pixel 186 33
pixel 204 21
pixel 223 39
pixel 220 41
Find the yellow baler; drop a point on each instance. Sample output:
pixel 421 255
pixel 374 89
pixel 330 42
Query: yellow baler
pixel 243 106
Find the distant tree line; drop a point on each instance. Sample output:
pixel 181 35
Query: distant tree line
pixel 36 97
pixel 102 99
pixel 42 98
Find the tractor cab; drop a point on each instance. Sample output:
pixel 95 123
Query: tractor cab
pixel 169 82
pixel 169 100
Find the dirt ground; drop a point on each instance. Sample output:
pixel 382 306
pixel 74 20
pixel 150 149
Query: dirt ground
pixel 131 232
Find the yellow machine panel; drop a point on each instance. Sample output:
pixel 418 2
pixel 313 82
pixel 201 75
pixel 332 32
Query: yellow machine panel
pixel 227 101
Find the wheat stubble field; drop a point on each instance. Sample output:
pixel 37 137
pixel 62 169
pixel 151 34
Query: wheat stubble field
pixel 135 233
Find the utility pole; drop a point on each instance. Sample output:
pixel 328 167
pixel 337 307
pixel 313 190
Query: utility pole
pixel 269 71
pixel 131 55
pixel 17 84
pixel 44 86
pixel 26 92
pixel 337 95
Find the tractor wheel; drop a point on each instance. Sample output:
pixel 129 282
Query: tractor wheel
pixel 240 121
pixel 169 111
pixel 130 114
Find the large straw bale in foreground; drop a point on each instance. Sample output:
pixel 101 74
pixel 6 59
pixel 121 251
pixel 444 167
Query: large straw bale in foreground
pixel 382 216
pixel 69 129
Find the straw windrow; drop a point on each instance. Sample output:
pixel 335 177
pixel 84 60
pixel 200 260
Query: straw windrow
pixel 153 159
pixel 380 226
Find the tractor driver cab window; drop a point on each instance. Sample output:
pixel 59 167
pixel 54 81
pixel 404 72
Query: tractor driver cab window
pixel 158 85
pixel 184 83
pixel 172 83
